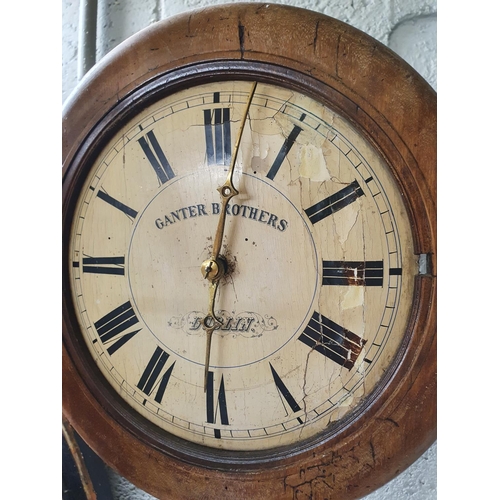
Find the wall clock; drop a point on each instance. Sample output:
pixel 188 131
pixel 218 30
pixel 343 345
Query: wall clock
pixel 249 258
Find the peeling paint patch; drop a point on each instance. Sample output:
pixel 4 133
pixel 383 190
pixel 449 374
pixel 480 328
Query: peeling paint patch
pixel 354 297
pixel 345 225
pixel 313 164
pixel 260 150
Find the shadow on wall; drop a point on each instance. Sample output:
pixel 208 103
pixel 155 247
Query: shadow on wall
pixel 415 40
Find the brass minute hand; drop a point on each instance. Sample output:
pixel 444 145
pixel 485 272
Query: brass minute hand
pixel 214 268
pixel 227 190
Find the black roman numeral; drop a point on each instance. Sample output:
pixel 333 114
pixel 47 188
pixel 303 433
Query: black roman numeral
pixel 217 134
pixel 221 403
pixel 110 326
pixel 150 379
pixel 104 265
pixel 283 390
pixel 332 340
pixel 117 204
pixel 353 273
pixel 334 203
pixel 156 157
pixel 287 145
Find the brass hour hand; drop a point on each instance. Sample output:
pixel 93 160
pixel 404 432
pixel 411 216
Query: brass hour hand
pixel 209 324
pixel 213 270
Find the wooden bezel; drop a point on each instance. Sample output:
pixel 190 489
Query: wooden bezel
pixel 395 109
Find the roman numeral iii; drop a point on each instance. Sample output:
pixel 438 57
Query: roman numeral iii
pixel 353 273
pixel 332 340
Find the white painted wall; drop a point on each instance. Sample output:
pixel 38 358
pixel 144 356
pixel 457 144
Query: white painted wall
pixel 407 26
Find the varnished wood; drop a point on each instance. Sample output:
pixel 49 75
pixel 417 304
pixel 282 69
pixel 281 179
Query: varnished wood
pixel 396 109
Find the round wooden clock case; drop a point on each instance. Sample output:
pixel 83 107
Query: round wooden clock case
pixel 313 374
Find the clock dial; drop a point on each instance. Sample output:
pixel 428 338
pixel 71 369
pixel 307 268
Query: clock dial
pixel 319 269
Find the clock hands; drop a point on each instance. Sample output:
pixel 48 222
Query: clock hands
pixel 215 267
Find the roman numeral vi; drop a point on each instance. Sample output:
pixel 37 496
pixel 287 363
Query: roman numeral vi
pixel 212 404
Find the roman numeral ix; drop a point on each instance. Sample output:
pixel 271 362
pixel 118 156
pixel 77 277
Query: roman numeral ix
pixel 104 265
pixel 332 340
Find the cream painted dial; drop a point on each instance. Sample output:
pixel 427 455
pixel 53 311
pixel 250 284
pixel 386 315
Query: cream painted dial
pixel 318 287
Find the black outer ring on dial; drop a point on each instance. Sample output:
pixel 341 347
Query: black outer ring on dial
pixel 73 181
